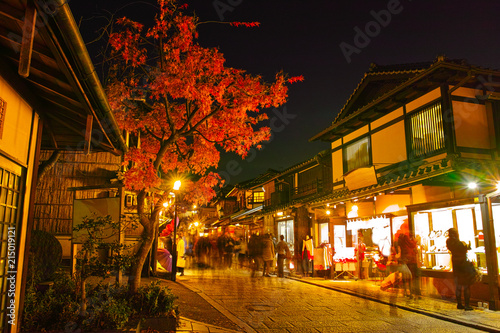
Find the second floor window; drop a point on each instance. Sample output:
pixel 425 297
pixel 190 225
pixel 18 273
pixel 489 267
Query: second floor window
pixel 258 197
pixel 357 154
pixel 426 131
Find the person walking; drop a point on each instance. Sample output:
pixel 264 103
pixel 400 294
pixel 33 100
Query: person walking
pixel 181 254
pixel 458 251
pixel 255 248
pixel 283 253
pixel 243 252
pixel 267 254
pixel 407 248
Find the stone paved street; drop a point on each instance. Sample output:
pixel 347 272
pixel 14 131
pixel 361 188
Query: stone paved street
pixel 271 304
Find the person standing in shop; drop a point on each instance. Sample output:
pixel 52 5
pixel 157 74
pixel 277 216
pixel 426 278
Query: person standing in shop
pixel 283 253
pixel 458 251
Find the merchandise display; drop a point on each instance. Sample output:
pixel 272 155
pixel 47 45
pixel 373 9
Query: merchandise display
pixel 431 230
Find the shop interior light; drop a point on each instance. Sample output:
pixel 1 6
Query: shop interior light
pixel 472 185
pixel 354 208
pixel 279 213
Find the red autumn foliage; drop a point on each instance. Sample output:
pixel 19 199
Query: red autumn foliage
pixel 183 102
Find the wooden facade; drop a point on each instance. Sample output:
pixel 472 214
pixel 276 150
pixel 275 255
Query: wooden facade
pixel 50 99
pixel 54 197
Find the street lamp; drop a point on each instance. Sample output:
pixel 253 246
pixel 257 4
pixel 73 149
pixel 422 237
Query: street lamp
pixel 177 186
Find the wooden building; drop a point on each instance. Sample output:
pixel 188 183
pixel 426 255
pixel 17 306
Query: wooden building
pixel 50 99
pixel 417 146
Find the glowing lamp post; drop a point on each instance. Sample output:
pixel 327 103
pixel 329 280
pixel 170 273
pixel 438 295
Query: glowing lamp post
pixel 177 186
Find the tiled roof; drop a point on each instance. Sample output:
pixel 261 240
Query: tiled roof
pixel 386 87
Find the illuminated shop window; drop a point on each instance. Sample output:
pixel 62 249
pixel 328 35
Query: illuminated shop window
pixel 285 228
pixel 426 131
pixel 357 154
pixel 431 230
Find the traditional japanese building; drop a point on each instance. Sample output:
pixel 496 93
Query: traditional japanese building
pixel 417 146
pixel 50 99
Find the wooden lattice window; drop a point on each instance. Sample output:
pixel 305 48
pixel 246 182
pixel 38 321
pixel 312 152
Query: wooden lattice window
pixel 426 131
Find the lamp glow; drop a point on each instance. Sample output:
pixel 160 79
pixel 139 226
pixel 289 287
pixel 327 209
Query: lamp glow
pixel 472 185
pixel 177 185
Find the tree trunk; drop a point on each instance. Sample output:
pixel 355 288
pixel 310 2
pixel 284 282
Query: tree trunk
pixel 141 255
pixel 148 222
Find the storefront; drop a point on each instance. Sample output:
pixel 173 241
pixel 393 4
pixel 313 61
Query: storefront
pixel 366 242
pixel 475 219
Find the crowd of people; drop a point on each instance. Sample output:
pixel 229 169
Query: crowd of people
pixel 261 253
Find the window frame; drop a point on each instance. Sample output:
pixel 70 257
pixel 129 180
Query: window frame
pixel 351 143
pixel 439 145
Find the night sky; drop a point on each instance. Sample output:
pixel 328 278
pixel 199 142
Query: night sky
pixel 331 43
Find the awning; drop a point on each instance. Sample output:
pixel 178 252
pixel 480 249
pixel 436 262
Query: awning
pixel 247 212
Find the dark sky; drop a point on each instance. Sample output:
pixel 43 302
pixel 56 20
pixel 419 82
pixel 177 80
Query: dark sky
pixel 331 43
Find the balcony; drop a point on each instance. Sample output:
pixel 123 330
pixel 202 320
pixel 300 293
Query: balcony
pixel 318 186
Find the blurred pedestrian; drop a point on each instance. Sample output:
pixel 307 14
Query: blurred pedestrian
pixel 255 248
pixel 243 252
pixel 458 251
pixel 283 253
pixel 181 254
pixel 228 250
pixel 407 256
pixel 267 254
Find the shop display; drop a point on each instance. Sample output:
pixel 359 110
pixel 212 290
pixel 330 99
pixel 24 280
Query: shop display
pixel 431 231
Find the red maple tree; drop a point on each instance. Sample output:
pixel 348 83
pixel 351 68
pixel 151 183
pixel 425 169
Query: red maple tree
pixel 184 106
